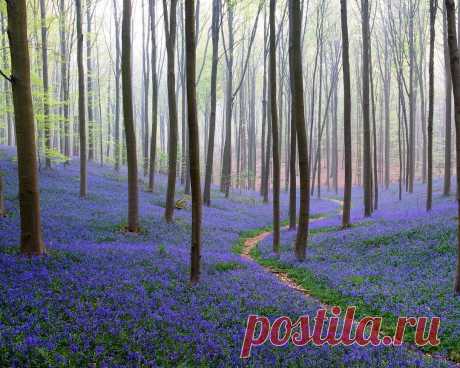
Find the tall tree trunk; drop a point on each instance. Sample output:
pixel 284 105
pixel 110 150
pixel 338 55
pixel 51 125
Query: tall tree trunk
pixel 367 166
pixel 274 119
pixel 153 137
pixel 89 81
pixel 145 92
pixel 375 181
pixel 117 144
pixel 170 34
pixel 335 143
pixel 412 97
pixel 46 108
pixel 387 115
pixel 297 105
pixel 216 11
pixel 455 72
pixel 227 159
pixel 346 116
pixel 29 195
pixel 193 136
pixel 64 77
pixel 128 118
pixel 448 117
pixel 81 103
pixel 292 175
pixel 433 9
pixel 6 85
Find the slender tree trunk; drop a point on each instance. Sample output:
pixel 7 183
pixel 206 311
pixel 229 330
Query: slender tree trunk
pixel 227 159
pixel 295 63
pixel 145 92
pixel 346 116
pixel 274 119
pixel 6 85
pixel 216 11
pixel 293 176
pixel 448 117
pixel 193 136
pixel 89 80
pixel 153 137
pixel 367 166
pixel 128 118
pixel 81 103
pixel 29 195
pixel 455 72
pixel 117 144
pixel 433 9
pixel 375 181
pixel 170 33
pixel 412 97
pixel 46 108
pixel 64 78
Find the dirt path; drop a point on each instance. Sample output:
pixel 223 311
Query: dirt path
pixel 252 243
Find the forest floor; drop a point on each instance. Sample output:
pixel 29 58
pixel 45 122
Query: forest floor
pixel 107 298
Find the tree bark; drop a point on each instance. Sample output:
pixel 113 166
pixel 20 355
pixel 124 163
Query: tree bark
pixel 128 118
pixel 433 9
pixel 81 103
pixel 367 166
pixel 117 87
pixel 346 116
pixel 64 78
pixel 153 137
pixel 448 117
pixel 216 11
pixel 170 34
pixel 295 63
pixel 274 119
pixel 29 195
pixel 46 108
pixel 193 136
pixel 455 72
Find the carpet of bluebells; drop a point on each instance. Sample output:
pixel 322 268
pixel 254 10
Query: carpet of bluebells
pixel 104 298
pixel 400 261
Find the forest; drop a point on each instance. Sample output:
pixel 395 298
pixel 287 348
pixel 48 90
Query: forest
pixel 229 183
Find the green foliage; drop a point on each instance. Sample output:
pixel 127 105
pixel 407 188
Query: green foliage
pixel 228 266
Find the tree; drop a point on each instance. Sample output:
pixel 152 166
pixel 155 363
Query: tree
pixel 90 81
pixel 170 34
pixel 448 116
pixel 46 108
pixel 455 73
pixel 81 103
pixel 117 86
pixel 193 136
pixel 297 106
pixel 153 139
pixel 367 165
pixel 429 199
pixel 274 124
pixel 128 118
pixel 64 77
pixel 292 175
pixel 29 195
pixel 216 11
pixel 346 116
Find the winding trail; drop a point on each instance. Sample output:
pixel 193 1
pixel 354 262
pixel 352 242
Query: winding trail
pixel 251 243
